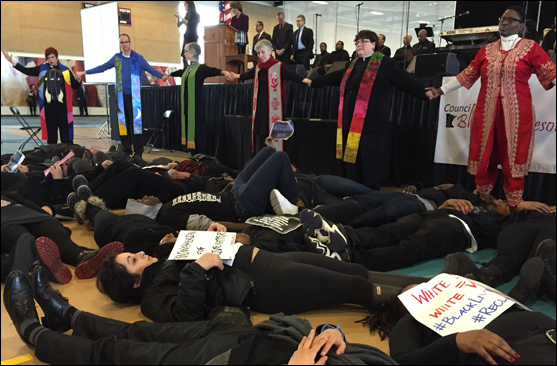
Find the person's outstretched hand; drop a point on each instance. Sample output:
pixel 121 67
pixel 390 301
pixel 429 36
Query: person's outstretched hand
pixel 307 81
pixel 533 206
pixel 307 351
pixel 7 55
pixel 486 344
pixel 461 205
pixel 215 226
pixel 433 93
pixel 79 74
pixel 410 189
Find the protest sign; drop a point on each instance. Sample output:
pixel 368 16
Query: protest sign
pixel 191 245
pixel 280 224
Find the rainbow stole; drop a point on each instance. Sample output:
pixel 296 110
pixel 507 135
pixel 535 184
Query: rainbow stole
pixel 136 95
pixel 69 98
pixel 360 109
pixel 275 97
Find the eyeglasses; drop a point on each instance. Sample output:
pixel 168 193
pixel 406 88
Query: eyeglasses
pixel 508 20
pixel 124 42
pixel 362 41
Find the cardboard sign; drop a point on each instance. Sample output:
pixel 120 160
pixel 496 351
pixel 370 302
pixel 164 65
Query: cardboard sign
pixel 280 224
pixel 191 245
pixel 450 304
pixel 282 130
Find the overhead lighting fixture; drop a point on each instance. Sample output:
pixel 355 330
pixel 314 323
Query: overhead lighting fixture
pixel 421 22
pixel 376 13
pixel 321 2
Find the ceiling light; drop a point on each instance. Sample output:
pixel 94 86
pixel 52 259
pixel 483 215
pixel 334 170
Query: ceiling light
pixel 321 2
pixel 376 13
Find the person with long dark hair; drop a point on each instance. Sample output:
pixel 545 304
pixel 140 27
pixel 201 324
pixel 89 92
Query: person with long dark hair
pixel 191 21
pixel 55 95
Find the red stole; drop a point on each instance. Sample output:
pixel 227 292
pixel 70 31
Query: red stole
pixel 360 109
pixel 276 92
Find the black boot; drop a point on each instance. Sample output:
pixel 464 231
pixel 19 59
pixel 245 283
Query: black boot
pixel 546 251
pixel 529 280
pixel 18 300
pixel 459 264
pixel 56 308
pixel 24 253
pixel 489 275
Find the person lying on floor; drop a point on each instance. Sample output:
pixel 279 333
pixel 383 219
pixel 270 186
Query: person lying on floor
pixel 98 340
pixel 377 208
pixel 527 242
pixel 413 238
pixel 267 175
pixel 54 245
pixel 187 291
pixel 517 336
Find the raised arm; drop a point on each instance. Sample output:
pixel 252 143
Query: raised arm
pixel 30 71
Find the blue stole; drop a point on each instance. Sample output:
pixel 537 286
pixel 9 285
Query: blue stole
pixel 136 94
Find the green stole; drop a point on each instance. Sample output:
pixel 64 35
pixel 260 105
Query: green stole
pixel 189 79
pixel 360 109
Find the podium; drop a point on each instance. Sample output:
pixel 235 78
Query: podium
pixel 219 43
pixel 239 64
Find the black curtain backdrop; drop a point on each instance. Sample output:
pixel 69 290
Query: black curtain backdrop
pixel 312 148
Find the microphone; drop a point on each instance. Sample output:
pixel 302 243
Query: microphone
pixel 317 14
pixel 360 4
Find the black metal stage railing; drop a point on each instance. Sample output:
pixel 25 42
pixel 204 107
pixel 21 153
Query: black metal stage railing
pixel 312 148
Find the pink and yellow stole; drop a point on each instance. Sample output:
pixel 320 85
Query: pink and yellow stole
pixel 275 94
pixel 360 109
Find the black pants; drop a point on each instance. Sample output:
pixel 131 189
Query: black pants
pixel 518 242
pixel 285 57
pixel 302 58
pixel 122 180
pixel 83 107
pixel 98 340
pixel 32 108
pixel 131 137
pixel 56 117
pixel 408 241
pixel 296 282
pixel 52 229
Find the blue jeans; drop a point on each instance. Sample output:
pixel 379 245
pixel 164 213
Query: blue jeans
pixel 268 170
pixel 380 208
pixel 331 189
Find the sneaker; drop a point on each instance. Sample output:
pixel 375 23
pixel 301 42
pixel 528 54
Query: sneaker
pixel 63 212
pixel 90 263
pixel 50 257
pixel 81 186
pixel 318 247
pixel 529 280
pixel 281 205
pixel 71 202
pixel 324 231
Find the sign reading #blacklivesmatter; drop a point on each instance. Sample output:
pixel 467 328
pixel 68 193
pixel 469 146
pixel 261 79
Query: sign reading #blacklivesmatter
pixel 450 304
pixel 455 117
pixel 191 245
pixel 280 224
pixel 282 130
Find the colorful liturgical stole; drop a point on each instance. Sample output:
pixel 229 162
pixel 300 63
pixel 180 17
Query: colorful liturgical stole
pixel 360 109
pixel 275 96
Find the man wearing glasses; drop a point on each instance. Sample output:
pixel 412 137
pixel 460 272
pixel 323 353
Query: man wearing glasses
pixel 502 130
pixel 129 66
pixel 363 114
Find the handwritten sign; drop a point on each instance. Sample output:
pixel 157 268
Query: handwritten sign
pixel 282 130
pixel 450 304
pixel 191 245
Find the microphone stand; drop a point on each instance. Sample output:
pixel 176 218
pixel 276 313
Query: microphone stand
pixel 315 45
pixel 442 20
pixel 358 18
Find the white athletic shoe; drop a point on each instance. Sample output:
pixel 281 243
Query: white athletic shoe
pixel 281 205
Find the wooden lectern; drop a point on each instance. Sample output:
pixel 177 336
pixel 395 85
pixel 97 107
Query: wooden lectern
pixel 219 43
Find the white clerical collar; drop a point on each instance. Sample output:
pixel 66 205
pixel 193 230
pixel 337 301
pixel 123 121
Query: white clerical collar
pixel 509 42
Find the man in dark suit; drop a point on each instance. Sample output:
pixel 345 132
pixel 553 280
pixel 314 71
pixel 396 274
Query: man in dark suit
pixel 322 57
pixel 382 48
pixel 424 46
pixel 302 47
pixel 261 34
pixel 282 39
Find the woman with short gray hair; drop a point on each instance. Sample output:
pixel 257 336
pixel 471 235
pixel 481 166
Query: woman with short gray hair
pixel 194 132
pixel 269 89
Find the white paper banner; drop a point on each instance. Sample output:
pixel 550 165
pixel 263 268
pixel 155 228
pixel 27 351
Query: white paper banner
pixel 191 245
pixel 449 304
pixel 456 110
